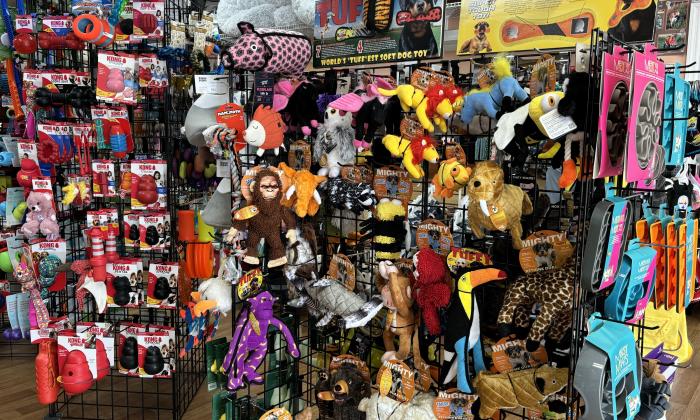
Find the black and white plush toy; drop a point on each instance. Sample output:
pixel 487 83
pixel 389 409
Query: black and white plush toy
pixel 348 195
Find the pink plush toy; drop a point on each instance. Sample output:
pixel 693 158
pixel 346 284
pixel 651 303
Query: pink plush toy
pixel 41 217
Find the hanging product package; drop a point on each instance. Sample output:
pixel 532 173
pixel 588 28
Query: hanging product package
pixel 675 126
pixel 612 131
pixel 644 153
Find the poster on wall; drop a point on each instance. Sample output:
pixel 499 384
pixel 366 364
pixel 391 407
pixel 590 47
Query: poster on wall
pixel 512 25
pixel 352 32
pixel 672 25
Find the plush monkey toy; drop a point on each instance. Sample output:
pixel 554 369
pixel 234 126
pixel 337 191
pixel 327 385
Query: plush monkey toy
pixel 265 218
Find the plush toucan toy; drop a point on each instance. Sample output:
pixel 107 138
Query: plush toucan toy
pixel 464 334
pixel 514 128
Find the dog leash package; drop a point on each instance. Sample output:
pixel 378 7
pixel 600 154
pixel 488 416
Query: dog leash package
pixel 609 371
pixel 614 103
pixel 633 284
pixel 675 125
pixel 644 122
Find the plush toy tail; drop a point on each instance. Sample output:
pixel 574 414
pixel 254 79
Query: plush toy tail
pixel 527 205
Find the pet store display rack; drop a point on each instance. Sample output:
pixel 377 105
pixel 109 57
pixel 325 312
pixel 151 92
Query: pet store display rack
pixel 318 345
pixel 161 114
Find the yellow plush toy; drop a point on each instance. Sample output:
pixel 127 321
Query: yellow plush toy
pixel 435 105
pixel 412 152
pixel 451 176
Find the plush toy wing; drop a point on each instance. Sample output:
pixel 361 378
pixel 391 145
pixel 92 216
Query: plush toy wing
pixel 505 127
pixel 351 102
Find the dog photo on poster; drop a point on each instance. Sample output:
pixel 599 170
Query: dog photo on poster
pixel 510 25
pixel 350 32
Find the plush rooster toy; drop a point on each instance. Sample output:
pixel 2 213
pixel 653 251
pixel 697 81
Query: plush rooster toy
pixel 431 290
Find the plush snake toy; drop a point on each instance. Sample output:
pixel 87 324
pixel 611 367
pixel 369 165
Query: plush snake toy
pixel 249 343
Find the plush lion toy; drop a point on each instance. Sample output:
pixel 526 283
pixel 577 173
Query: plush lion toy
pixel 494 205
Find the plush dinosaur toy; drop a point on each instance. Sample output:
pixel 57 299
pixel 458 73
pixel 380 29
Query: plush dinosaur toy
pixel 435 105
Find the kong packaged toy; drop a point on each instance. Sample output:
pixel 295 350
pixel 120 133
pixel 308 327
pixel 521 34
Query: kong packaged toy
pixel 103 181
pixel 148 20
pixel 132 234
pixel 116 77
pixel 103 331
pixel 125 283
pixel 77 364
pixel 156 353
pixel 127 347
pixel 162 285
pixel 113 130
pixel 154 231
pixel 152 71
pixel 148 180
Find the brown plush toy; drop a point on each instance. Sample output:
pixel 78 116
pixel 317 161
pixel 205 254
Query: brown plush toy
pixel 525 388
pixel 401 320
pixel 265 218
pixel 494 205
pixel 553 290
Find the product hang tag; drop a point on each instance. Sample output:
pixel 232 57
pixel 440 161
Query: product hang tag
pixel 556 125
pixel 223 168
pixel 214 84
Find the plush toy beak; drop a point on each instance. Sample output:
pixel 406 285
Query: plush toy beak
pixel 485 275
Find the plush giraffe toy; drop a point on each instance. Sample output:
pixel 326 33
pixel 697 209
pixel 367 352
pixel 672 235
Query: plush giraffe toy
pixel 249 343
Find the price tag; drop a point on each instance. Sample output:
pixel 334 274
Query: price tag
pixel 223 168
pixel 213 84
pixel 556 125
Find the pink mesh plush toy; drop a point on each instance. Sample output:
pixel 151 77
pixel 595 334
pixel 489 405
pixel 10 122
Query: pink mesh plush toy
pixel 41 217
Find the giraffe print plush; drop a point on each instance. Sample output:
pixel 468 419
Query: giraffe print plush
pixel 249 343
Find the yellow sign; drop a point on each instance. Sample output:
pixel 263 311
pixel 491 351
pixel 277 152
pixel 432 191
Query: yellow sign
pixel 511 25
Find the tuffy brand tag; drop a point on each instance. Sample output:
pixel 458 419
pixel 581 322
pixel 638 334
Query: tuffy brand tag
pixel 498 217
pixel 250 284
pixel 247 212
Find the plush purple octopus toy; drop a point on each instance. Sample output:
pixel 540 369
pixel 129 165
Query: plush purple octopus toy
pixel 249 343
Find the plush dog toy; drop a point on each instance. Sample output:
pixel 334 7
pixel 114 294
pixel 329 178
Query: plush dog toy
pixel 525 388
pixel 575 105
pixel 380 407
pixel 497 98
pixel 400 319
pixel 431 289
pixel 331 298
pixel 551 289
pixel 41 217
pixel 412 152
pixel 435 105
pixel 347 195
pixel 494 205
pixel 302 195
pixel 450 177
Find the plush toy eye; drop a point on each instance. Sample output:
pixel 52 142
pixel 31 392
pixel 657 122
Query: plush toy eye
pixel 253 47
pixel 549 102
pixel 455 170
pixel 332 110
